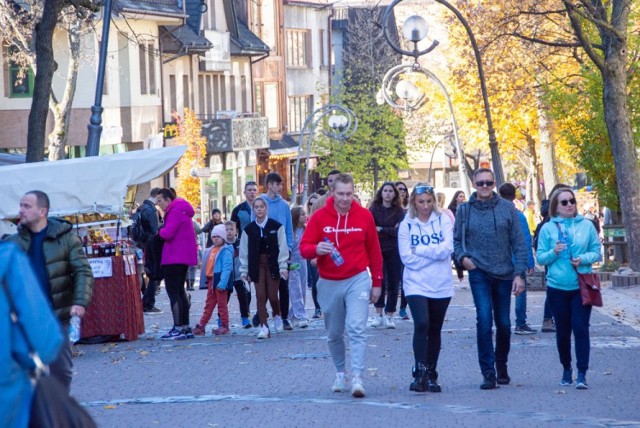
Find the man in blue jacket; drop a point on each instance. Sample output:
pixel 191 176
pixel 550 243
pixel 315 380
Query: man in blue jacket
pixel 487 238
pixel 508 191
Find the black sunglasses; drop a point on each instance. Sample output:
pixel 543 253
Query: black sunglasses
pixel 402 189
pixel 483 183
pixel 566 202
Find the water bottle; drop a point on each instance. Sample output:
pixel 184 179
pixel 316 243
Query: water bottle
pixel 564 239
pixel 335 254
pixel 74 329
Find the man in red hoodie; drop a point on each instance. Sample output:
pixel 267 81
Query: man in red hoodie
pixel 342 235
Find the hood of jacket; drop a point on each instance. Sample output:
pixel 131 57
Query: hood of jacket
pixel 342 220
pixel 482 204
pixel 56 227
pixel 181 206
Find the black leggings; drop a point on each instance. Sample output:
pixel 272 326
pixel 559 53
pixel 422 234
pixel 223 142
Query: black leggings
pixel 392 277
pixel 428 317
pixel 174 283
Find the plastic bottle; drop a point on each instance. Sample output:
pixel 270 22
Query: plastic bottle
pixel 335 254
pixel 74 329
pixel 564 239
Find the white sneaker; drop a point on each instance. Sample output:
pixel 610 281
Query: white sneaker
pixel 387 321
pixel 340 384
pixel 357 388
pixel 303 323
pixel 277 324
pixel 263 332
pixel 377 321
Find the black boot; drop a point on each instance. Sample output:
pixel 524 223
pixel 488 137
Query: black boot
pixel 419 383
pixel 432 379
pixel 502 374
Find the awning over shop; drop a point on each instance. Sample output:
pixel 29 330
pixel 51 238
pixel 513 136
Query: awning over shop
pixel 80 185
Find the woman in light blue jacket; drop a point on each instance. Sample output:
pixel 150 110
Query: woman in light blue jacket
pixel 568 244
pixel 36 316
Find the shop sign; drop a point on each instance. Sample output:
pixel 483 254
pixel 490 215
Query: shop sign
pixel 101 267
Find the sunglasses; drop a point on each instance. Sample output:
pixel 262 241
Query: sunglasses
pixel 566 202
pixel 483 183
pixel 402 189
pixel 423 189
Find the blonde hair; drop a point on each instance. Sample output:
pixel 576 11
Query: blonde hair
pixel 412 212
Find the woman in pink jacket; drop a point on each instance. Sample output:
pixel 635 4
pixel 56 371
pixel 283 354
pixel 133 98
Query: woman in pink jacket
pixel 178 253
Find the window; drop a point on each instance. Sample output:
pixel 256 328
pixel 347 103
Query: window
pixel 322 44
pixel 232 87
pixel 298 48
pixel 147 62
pixel 20 82
pixel 186 92
pixel 299 108
pixel 259 98
pixel 173 95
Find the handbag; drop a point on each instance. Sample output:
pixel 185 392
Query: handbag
pixel 52 406
pixel 589 284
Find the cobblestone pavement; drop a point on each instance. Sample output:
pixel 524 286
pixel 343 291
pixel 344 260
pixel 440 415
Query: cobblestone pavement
pixel 239 381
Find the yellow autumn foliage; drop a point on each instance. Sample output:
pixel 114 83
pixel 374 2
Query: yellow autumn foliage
pixel 189 133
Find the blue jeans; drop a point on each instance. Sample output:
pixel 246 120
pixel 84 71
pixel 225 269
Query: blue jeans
pixel 571 315
pixel 492 298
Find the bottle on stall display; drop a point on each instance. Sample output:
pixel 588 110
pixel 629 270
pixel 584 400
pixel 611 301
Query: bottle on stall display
pixel 74 329
pixel 335 254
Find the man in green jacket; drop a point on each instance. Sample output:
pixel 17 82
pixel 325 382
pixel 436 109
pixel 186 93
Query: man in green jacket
pixel 60 265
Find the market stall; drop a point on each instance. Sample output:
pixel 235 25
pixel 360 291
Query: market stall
pixel 90 193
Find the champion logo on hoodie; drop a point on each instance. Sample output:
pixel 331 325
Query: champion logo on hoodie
pixel 330 229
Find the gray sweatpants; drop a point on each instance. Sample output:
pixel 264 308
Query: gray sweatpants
pixel 345 305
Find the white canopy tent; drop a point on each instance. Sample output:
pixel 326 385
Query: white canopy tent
pixel 83 185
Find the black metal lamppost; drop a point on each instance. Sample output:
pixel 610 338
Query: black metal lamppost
pixel 415 26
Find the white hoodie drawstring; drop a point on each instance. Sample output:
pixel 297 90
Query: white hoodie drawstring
pixel 346 220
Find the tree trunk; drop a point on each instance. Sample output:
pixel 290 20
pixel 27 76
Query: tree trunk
pixel 45 65
pixel 534 171
pixel 547 149
pixel 625 157
pixel 62 110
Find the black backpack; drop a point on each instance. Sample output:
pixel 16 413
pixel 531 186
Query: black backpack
pixel 137 231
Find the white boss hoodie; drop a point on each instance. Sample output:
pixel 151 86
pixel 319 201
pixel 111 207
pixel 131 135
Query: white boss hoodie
pixel 427 269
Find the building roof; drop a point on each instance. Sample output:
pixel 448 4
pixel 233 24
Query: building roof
pixel 287 145
pixel 150 7
pixel 183 38
pixel 246 43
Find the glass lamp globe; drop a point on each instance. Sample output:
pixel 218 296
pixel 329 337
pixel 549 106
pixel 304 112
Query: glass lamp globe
pixel 415 28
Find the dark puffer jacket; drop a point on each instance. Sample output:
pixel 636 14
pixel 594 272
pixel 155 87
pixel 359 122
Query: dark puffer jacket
pixel 70 275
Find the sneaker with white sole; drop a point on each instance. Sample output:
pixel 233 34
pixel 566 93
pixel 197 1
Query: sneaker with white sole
pixel 340 383
pixel 387 321
pixel 277 324
pixel 357 388
pixel 174 334
pixel 377 321
pixel 263 332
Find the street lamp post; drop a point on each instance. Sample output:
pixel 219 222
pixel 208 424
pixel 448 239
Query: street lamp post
pixel 342 122
pixel 95 125
pixel 415 23
pixel 433 152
